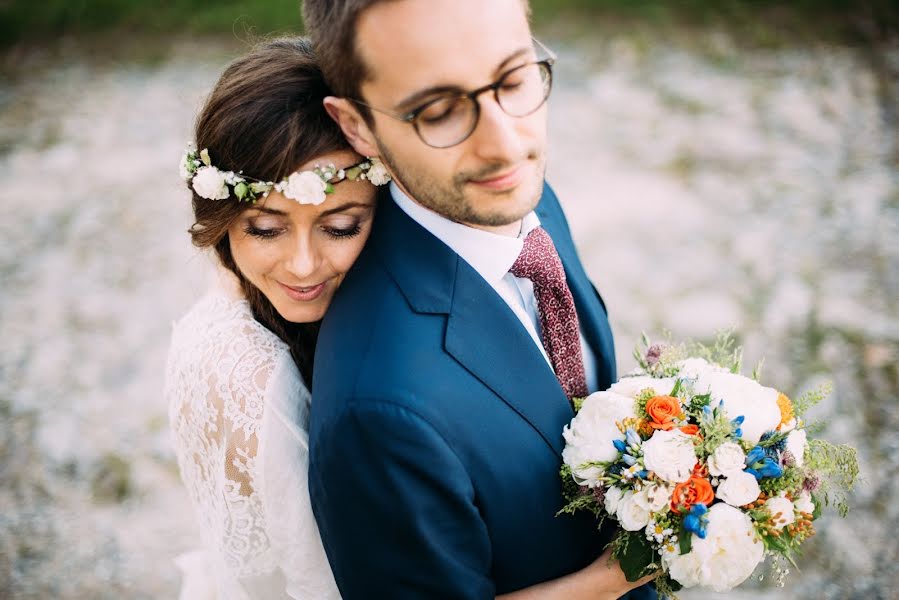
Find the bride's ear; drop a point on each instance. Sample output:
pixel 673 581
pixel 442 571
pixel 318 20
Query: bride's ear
pixel 354 127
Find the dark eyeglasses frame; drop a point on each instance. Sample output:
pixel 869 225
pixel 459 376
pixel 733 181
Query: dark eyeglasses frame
pixel 412 116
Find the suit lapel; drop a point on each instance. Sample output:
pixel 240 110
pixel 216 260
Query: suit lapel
pixel 485 336
pixel 482 333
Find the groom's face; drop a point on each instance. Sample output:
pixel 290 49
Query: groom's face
pixel 416 49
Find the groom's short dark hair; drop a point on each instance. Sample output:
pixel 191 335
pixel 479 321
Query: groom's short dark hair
pixel 331 25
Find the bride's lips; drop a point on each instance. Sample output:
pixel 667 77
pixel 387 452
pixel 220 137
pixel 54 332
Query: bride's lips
pixel 304 294
pixel 503 181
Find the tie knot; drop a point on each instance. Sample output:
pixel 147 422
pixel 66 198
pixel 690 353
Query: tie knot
pixel 539 260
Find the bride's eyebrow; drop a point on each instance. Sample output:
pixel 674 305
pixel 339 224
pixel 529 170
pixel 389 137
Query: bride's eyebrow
pixel 267 210
pixel 343 207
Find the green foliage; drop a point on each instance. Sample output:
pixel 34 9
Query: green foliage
pixel 790 481
pixel 837 467
pixel 724 351
pixel 635 555
pixel 811 398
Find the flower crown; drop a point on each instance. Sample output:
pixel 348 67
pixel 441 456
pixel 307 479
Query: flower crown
pixel 305 187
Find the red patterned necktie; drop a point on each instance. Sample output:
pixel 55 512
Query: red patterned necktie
pixel 540 263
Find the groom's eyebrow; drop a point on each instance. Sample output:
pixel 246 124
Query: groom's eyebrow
pixel 411 102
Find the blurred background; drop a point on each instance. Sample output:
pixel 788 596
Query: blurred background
pixel 723 164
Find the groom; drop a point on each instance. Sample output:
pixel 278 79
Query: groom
pixel 446 365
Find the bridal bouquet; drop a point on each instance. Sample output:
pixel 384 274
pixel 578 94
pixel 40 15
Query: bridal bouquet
pixel 705 470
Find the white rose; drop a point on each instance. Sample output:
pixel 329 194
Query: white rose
pixel 657 496
pixel 613 497
pixel 377 174
pixel 744 397
pixel 804 503
pixel 632 512
pixel 740 488
pixel 727 458
pixel 209 183
pixel 726 557
pixel 797 442
pixel 590 434
pixel 632 386
pixel 305 187
pixel 670 455
pixel 783 508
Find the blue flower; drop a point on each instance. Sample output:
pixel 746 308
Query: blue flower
pixel 633 439
pixel 620 446
pixel 628 460
pixel 760 464
pixel 697 520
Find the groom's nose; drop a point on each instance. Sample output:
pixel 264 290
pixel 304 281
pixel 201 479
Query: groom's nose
pixel 497 137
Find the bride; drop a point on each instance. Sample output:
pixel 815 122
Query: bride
pixel 286 206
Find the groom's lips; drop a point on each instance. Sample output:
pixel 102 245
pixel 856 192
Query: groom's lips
pixel 502 182
pixel 304 294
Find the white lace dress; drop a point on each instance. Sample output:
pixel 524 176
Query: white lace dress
pixel 238 410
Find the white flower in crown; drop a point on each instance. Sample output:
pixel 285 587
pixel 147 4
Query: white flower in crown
pixel 210 183
pixel 306 187
pixel 187 167
pixel 377 174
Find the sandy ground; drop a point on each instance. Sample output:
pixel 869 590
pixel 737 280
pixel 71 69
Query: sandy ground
pixel 707 187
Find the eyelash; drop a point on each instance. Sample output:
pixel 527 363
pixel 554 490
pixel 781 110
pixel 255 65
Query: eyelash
pixel 337 234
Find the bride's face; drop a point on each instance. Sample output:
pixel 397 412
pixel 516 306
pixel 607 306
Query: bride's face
pixel 298 254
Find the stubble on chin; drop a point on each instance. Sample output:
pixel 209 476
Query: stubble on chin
pixel 451 201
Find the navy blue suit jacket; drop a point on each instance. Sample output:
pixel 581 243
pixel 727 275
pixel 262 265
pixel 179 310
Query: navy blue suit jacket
pixel 436 426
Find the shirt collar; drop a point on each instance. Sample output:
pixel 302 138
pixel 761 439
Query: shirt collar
pixel 490 254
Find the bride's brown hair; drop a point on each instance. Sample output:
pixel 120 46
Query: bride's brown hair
pixel 265 118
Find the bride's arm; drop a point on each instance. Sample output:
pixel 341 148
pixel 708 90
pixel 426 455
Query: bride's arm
pixel 600 580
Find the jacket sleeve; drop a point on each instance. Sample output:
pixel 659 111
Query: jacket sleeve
pixel 396 509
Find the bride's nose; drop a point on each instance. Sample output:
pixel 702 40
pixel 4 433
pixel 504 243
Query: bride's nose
pixel 305 257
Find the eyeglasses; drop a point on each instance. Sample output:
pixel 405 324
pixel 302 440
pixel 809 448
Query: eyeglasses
pixel 449 119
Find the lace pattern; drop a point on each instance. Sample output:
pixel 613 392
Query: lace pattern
pixel 234 393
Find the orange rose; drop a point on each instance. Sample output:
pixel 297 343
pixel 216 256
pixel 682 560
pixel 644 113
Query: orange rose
pixel 690 429
pixel 663 410
pixel 693 491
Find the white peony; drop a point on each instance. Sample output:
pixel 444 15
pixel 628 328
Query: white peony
pixel 305 187
pixel 797 442
pixel 727 458
pixel 742 396
pixel 377 174
pixel 632 513
pixel 694 367
pixel 613 497
pixel 209 183
pixel 670 455
pixel 632 386
pixel 726 557
pixel 738 489
pixel 590 434
pixel 781 510
pixel 804 503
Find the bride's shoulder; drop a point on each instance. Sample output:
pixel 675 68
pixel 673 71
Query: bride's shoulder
pixel 219 319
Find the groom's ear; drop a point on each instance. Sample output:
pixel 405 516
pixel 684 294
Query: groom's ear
pixel 354 127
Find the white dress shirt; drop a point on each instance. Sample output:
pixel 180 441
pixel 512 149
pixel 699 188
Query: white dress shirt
pixel 492 255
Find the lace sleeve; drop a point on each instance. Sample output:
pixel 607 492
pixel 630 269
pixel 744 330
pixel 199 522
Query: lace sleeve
pixel 220 366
